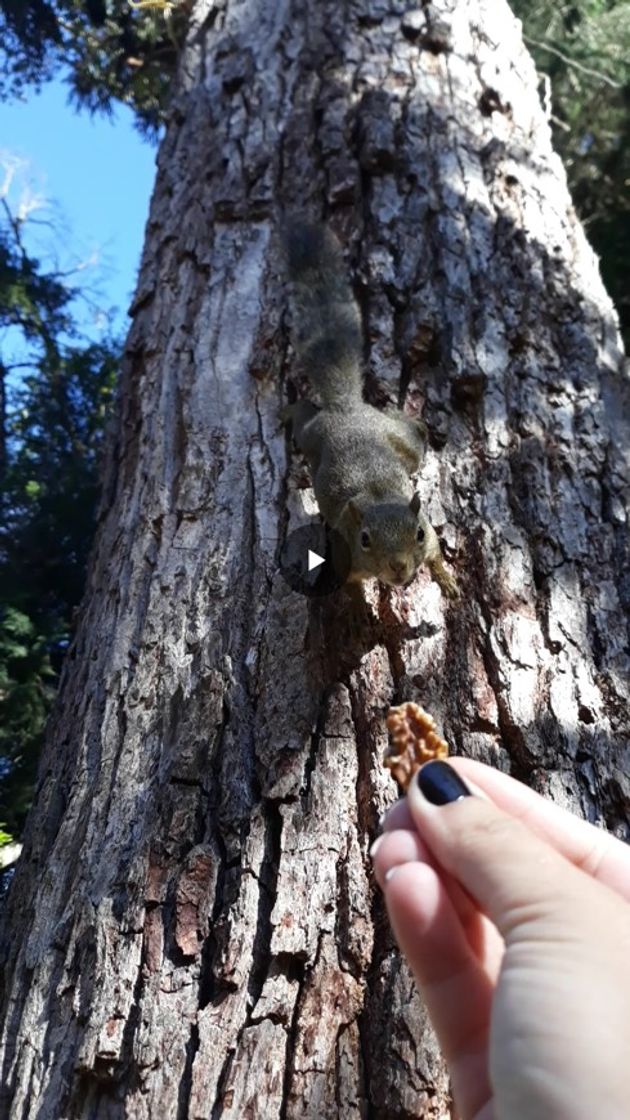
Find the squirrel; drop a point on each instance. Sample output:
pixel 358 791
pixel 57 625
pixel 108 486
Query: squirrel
pixel 361 459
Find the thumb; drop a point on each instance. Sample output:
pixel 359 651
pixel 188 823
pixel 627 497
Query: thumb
pixel 513 876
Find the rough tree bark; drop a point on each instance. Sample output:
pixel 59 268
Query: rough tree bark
pixel 193 931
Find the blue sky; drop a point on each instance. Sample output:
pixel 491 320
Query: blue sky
pixel 96 174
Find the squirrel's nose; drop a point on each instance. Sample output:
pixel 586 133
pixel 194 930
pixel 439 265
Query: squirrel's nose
pixel 398 567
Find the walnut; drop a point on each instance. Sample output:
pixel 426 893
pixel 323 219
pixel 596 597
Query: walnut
pixel 413 742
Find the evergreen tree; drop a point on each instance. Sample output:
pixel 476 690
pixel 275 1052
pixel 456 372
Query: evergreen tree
pixel 582 52
pixel 54 410
pixel 111 49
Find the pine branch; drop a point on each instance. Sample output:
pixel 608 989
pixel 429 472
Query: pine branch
pixel 573 62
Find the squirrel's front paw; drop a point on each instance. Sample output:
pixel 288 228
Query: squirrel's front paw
pixel 449 585
pixel 446 582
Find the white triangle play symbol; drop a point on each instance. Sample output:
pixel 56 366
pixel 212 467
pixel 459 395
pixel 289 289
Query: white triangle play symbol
pixel 314 560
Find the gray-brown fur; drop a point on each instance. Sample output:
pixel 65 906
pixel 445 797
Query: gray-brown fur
pixel 327 325
pixel 361 459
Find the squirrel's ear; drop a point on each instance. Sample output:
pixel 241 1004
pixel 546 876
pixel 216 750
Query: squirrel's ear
pixel 414 505
pixel 355 513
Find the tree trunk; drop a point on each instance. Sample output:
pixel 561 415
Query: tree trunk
pixel 193 930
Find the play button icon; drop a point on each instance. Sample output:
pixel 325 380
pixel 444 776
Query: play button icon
pixel 315 560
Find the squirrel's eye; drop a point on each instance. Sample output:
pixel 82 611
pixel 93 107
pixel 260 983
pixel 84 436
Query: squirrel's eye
pixel 420 534
pixel 365 539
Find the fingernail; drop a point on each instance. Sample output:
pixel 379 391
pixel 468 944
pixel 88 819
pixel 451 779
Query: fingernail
pixel 375 846
pixel 440 783
pixel 389 875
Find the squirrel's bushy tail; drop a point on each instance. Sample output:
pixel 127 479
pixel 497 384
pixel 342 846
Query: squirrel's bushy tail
pixel 326 321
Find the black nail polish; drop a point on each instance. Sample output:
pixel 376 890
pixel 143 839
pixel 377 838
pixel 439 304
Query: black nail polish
pixel 440 783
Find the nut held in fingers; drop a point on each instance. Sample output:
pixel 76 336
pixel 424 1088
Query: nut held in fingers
pixel 413 742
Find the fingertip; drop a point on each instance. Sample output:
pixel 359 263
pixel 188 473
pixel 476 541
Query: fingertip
pixel 439 783
pixel 394 849
pixel 399 816
pixel 437 786
pixel 401 813
pixel 412 892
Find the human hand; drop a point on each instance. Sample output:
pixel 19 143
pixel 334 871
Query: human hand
pixel 514 917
